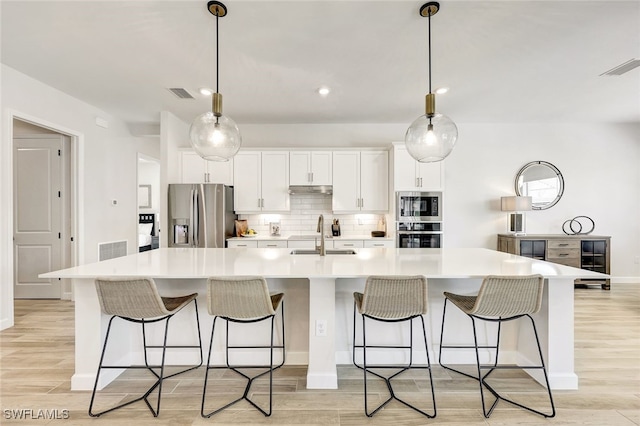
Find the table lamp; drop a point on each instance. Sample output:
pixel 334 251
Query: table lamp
pixel 516 205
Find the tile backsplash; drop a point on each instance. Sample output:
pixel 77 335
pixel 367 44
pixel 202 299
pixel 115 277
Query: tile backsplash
pixel 302 219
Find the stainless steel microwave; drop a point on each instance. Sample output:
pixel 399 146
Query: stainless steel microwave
pixel 419 206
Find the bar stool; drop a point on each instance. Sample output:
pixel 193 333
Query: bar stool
pixel 500 299
pixel 392 299
pixel 137 300
pixel 243 300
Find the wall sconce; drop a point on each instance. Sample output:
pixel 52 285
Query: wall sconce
pixel 516 205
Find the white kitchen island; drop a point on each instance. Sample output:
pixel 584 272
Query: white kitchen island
pixel 320 289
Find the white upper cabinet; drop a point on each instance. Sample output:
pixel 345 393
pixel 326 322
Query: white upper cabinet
pixel 360 181
pixel 261 181
pixel 310 167
pixel 412 175
pixel 195 169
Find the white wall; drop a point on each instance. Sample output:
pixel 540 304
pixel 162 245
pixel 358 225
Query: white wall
pixel 108 163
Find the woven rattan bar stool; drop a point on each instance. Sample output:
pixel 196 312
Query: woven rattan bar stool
pixel 243 300
pixel 392 299
pixel 500 299
pixel 137 300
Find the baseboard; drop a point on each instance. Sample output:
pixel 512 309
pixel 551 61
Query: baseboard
pixel 6 323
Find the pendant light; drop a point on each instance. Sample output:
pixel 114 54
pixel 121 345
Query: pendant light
pixel 214 136
pixel 431 137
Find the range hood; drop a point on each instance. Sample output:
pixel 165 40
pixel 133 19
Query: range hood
pixel 310 189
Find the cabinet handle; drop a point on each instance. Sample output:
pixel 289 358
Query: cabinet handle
pixel 417 182
pixel 361 202
pixel 347 245
pixel 378 245
pixel 208 177
pixel 308 177
pixel 242 245
pixel 272 245
pixel 311 176
pixel 205 177
pixel 563 254
pixel 563 244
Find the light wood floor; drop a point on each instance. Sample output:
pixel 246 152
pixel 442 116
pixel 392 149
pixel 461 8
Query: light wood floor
pixel 36 362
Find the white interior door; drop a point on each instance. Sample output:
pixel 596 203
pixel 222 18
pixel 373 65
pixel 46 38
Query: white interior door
pixel 37 217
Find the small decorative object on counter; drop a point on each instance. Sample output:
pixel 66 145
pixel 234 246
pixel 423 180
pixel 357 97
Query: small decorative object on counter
pixel 575 226
pixel 274 228
pixel 241 227
pixel 335 228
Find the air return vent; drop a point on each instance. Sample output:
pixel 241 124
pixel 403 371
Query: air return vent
pixel 623 68
pixel 112 250
pixel 181 93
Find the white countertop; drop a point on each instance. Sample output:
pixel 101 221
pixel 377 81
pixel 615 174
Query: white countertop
pixel 280 263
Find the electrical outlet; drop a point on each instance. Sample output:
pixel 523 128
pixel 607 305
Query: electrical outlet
pixel 321 328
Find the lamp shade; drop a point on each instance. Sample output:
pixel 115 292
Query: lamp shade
pixel 515 203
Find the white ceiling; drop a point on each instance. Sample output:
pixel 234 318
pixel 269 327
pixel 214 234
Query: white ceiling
pixel 505 61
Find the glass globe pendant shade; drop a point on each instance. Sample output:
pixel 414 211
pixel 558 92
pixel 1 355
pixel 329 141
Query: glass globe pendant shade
pixel 215 138
pixel 431 138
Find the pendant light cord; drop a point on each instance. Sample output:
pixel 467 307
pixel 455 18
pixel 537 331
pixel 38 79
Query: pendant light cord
pixel 429 31
pixel 217 38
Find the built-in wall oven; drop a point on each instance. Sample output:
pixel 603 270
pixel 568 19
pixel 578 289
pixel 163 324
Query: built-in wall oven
pixel 419 206
pixel 419 234
pixel 419 219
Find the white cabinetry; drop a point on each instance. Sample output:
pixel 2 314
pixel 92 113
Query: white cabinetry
pixel 310 167
pixel 261 181
pixel 379 243
pixel 302 244
pixel 340 244
pixel 195 169
pixel 272 243
pixel 412 175
pixel 242 244
pixel 360 181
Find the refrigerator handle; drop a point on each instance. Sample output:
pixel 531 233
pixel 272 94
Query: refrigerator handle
pixel 192 220
pixel 203 222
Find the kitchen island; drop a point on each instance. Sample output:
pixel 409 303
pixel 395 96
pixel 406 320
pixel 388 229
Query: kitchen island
pixel 318 290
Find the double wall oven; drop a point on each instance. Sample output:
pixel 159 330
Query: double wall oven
pixel 418 219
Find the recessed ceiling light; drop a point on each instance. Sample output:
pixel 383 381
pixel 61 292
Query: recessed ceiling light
pixel 324 91
pixel 205 91
pixel 442 90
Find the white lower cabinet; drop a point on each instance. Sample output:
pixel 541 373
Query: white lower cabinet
pixel 379 243
pixel 242 244
pixel 348 244
pixel 272 244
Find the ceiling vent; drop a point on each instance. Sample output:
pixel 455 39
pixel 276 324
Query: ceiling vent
pixel 623 68
pixel 181 93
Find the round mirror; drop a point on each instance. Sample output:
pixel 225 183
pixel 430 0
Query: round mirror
pixel 541 181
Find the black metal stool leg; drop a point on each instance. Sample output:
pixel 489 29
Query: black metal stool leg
pixel 367 368
pixel 269 369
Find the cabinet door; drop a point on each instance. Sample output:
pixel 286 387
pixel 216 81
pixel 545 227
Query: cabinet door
pixel 374 181
pixel 341 244
pixel 411 175
pixel 193 168
pixel 247 179
pixel 429 175
pixel 346 181
pixel 242 244
pixel 404 170
pixel 300 167
pixel 275 181
pixel 220 172
pixel 321 167
pixel 379 243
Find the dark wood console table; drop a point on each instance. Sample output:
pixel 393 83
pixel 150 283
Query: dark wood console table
pixel 591 252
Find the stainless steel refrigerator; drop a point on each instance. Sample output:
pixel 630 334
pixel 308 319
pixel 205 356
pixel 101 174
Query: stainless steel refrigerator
pixel 200 215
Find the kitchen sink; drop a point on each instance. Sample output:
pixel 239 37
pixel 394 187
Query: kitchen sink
pixel 327 252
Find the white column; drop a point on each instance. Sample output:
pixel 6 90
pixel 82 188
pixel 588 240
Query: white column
pixel 322 373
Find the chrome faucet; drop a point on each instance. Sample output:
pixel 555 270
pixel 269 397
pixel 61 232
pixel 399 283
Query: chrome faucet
pixel 321 231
